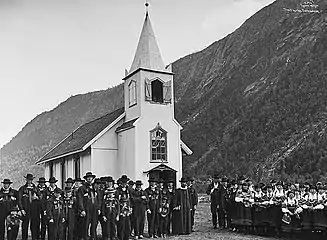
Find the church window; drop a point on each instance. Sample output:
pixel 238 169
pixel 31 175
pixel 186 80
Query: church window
pixel 132 93
pixel 158 144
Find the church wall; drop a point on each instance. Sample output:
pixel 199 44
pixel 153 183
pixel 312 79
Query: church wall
pixel 144 126
pixel 70 167
pixel 85 162
pixel 57 172
pixel 47 171
pixel 104 153
pixel 126 154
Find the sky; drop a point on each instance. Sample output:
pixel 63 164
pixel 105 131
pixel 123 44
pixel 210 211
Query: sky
pixel 53 49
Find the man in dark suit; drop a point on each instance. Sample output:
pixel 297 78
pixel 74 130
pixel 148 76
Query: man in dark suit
pixel 88 206
pixel 28 202
pixel 213 191
pixel 8 199
pixel 222 203
pixel 193 198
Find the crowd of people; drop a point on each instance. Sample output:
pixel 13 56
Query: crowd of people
pixel 269 209
pixel 120 207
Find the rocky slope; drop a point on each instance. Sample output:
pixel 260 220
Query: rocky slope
pixel 253 103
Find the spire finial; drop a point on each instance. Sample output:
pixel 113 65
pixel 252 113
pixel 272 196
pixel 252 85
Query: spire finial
pixel 147 7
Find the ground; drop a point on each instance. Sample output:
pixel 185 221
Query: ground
pixel 204 230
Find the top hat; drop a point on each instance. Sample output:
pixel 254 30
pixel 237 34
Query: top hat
pixel 41 180
pixel 124 179
pixel 89 174
pixel 69 180
pixel 108 179
pixel 78 180
pixel 183 179
pixel 138 183
pixel 29 176
pixel 152 179
pixel 97 181
pixel 53 180
pixel 6 181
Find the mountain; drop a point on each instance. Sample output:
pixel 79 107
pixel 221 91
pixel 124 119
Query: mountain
pixel 252 103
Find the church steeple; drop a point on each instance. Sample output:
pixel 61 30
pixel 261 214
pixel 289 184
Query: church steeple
pixel 147 54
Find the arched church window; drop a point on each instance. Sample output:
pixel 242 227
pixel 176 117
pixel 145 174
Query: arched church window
pixel 158 144
pixel 157 91
pixel 132 93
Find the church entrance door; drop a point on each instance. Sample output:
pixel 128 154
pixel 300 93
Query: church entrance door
pixel 163 172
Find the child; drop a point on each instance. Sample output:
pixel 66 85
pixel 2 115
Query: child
pixel 12 222
pixel 69 213
pixel 55 214
pixel 164 211
pixel 110 212
pixel 124 218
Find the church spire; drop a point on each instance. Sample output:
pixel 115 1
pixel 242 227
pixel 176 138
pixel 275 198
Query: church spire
pixel 147 53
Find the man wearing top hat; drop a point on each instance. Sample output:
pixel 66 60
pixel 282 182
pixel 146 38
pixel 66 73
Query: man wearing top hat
pixel 222 203
pixel 78 233
pixel 123 192
pixel 28 196
pixel 182 210
pixel 152 194
pixel 110 209
pixel 52 187
pixel 88 206
pixel 56 216
pixel 69 202
pixel 97 184
pixel 213 191
pixel 193 198
pixel 8 199
pixel 139 207
pixel 69 183
pixel 170 196
pixel 42 213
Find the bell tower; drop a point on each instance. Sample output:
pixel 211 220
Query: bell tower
pixel 152 139
pixel 148 82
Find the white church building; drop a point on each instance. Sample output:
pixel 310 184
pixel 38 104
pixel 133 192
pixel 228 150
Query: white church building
pixel 139 140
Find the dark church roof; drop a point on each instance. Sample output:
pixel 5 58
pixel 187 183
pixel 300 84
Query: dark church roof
pixel 126 125
pixel 79 138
